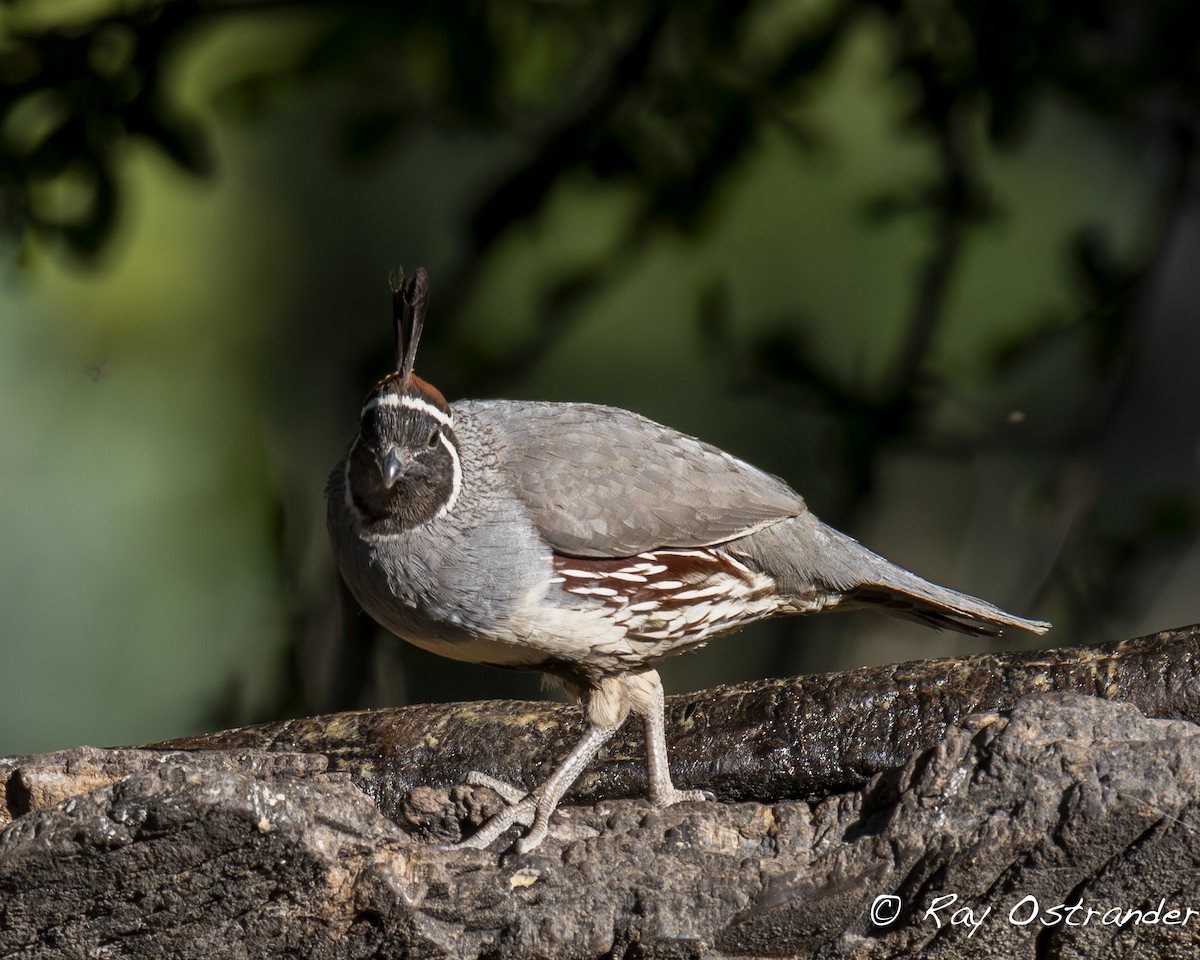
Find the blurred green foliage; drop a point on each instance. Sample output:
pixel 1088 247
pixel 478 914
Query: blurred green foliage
pixel 927 260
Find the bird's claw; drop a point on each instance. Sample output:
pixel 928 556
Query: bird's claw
pixel 522 813
pixel 529 809
pixel 525 809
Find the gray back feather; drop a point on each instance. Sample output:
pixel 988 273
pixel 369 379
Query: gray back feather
pixel 603 482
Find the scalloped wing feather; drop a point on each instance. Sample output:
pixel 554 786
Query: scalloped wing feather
pixel 604 482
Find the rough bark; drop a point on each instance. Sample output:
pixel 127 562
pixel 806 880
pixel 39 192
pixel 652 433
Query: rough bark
pixel 1016 792
pixel 798 738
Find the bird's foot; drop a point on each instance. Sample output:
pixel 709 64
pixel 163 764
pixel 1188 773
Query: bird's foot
pixel 527 809
pixel 534 808
pixel 670 795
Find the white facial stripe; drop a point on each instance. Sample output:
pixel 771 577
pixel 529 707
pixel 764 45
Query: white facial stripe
pixel 409 402
pixel 456 481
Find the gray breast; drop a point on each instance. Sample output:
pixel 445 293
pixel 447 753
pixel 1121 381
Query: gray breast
pixel 457 578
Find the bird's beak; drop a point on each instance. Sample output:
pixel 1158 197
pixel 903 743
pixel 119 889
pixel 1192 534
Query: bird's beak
pixel 392 466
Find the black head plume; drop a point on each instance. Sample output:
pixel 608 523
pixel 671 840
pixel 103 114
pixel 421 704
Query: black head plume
pixel 413 293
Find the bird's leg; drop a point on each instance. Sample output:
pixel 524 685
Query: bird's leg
pixel 647 700
pixel 607 706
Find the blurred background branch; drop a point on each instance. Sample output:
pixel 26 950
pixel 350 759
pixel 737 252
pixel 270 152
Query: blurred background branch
pixel 929 260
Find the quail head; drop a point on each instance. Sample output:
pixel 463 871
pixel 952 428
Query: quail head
pixel 585 542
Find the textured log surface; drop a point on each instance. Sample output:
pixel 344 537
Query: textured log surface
pixel 800 738
pixel 1019 806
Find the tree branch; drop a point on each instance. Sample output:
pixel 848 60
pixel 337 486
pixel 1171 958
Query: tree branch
pixel 1041 801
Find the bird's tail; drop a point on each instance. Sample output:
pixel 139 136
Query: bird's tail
pixel 890 589
pixel 804 555
pixel 939 607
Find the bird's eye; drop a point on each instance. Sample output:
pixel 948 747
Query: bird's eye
pixel 434 438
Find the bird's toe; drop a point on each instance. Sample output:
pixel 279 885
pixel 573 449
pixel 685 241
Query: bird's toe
pixel 508 791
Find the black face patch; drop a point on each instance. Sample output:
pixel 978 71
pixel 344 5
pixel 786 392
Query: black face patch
pixel 401 427
pixel 429 477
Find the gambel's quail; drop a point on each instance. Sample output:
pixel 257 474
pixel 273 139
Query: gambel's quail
pixel 586 542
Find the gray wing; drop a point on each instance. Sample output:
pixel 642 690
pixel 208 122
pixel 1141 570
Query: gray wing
pixel 603 482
